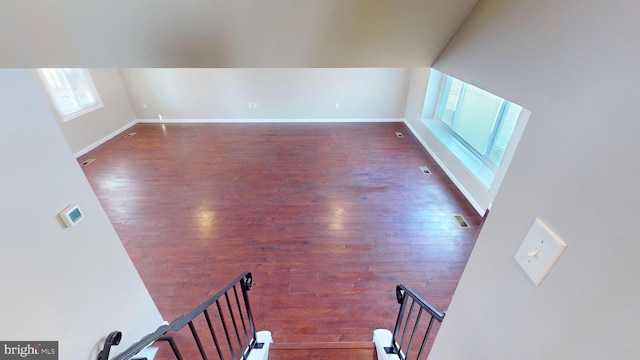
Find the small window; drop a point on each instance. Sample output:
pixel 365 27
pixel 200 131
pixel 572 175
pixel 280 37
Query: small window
pixel 72 91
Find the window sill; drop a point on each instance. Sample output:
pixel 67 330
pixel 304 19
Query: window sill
pixel 80 113
pixel 479 169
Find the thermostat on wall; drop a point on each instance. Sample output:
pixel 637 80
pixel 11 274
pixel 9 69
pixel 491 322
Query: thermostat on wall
pixel 71 215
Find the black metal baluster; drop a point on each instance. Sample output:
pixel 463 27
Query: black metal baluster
pixel 233 321
pixel 197 339
pixel 426 336
pixel 173 345
pixel 406 323
pixel 400 296
pixel 413 333
pixel 226 331
pixel 213 334
pixel 244 326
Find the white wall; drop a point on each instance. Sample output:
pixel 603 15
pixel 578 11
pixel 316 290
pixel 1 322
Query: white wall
pixel 369 93
pixel 574 64
pixel 415 94
pixel 72 285
pixel 84 132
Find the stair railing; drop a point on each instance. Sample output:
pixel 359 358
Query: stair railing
pixel 228 320
pixel 415 321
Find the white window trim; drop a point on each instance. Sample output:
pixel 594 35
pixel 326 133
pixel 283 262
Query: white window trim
pixel 86 110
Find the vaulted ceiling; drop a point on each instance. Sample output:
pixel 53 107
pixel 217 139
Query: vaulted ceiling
pixel 227 33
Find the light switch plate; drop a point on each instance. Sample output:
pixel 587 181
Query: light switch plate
pixel 539 251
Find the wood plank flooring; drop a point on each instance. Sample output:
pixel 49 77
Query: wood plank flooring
pixel 328 217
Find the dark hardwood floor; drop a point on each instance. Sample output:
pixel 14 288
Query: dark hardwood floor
pixel 328 217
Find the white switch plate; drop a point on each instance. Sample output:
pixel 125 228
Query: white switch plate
pixel 539 251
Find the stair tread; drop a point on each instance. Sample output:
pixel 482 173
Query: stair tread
pixel 322 350
pixel 323 345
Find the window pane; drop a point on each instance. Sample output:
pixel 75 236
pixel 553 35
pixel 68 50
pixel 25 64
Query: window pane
pixel 72 91
pixel 60 90
pixel 452 91
pixel 79 87
pixel 508 123
pixel 476 116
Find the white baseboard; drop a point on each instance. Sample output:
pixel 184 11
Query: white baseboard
pixel 179 121
pixel 104 139
pixel 479 208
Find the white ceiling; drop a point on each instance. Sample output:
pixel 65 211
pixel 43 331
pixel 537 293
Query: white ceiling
pixel 232 33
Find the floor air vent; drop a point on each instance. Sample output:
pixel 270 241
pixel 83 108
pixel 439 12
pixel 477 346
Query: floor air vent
pixel 399 134
pixel 87 162
pixel 425 170
pixel 461 221
pixel 130 135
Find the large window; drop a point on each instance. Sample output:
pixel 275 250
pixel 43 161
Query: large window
pixel 471 127
pixel 481 121
pixel 72 91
